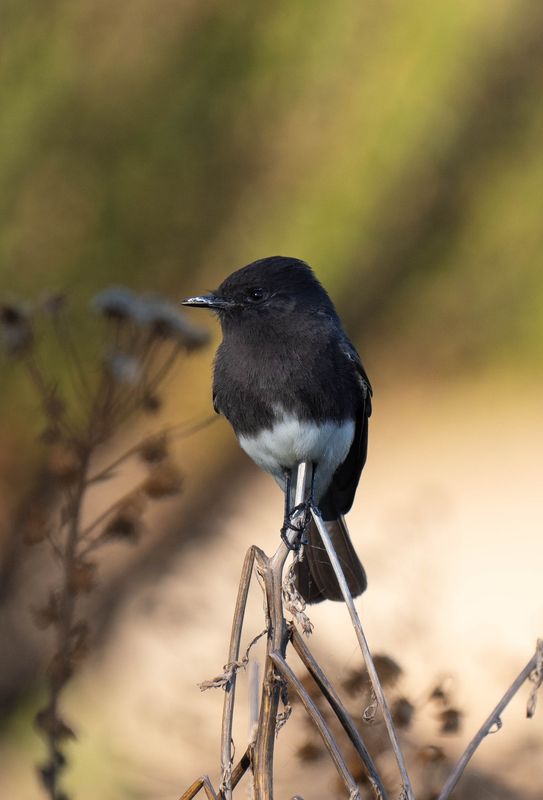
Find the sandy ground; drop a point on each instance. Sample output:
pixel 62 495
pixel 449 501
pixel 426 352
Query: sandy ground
pixel 448 521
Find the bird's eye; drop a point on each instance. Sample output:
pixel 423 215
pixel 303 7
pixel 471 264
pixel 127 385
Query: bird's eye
pixel 256 295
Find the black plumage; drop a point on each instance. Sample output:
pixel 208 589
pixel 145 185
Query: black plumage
pixel 289 380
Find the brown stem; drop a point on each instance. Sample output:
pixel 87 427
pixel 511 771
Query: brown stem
pixel 230 688
pixel 329 742
pixel 492 720
pixel 339 710
pixel 66 619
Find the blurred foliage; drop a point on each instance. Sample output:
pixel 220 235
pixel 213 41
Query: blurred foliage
pixel 395 144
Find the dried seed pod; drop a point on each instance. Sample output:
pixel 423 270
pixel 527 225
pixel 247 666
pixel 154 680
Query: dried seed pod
pixel 16 330
pixel 117 303
pixel 47 720
pixel 164 480
pixel 402 712
pixel 81 577
pixel 48 614
pixel 450 720
pixel 64 463
pixel 36 525
pixel 154 449
pixel 310 751
pixel 166 321
pixel 151 403
pixel 123 527
pixel 431 754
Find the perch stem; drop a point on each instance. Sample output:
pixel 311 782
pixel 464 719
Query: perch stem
pixel 350 783
pixel 230 688
pixel 339 710
pixel 370 666
pixel 271 570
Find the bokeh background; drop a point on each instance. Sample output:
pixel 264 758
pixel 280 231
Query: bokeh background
pixel 397 148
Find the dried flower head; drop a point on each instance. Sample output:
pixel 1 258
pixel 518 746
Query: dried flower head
pixel 151 403
pixel 164 480
pixel 388 670
pixel 154 449
pixel 64 463
pixel 16 329
pixel 123 368
pixel 117 303
pixel 310 751
pixel 124 527
pixel 431 754
pixel 82 577
pixel 402 712
pixel 168 322
pixel 450 720
pixel 48 614
pixel 36 523
pixel 47 720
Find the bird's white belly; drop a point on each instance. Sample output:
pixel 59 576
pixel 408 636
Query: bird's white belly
pixel 290 441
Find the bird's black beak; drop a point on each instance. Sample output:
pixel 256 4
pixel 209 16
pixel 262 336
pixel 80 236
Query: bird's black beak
pixel 206 301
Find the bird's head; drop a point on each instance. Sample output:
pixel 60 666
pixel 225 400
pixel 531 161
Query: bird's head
pixel 275 286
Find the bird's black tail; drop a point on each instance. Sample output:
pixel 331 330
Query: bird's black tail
pixel 315 577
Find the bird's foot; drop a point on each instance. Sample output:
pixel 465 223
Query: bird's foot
pixel 297 520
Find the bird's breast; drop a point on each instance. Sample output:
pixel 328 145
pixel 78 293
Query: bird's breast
pixel 289 440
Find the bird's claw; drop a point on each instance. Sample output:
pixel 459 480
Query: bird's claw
pixel 299 527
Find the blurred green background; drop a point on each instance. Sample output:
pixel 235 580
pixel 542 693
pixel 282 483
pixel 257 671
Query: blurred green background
pixel 395 146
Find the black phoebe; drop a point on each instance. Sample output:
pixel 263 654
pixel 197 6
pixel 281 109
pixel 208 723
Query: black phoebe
pixel 293 388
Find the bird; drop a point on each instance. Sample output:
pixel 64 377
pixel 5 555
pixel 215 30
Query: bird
pixel 292 386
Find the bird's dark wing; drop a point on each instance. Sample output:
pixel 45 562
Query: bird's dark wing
pixel 339 497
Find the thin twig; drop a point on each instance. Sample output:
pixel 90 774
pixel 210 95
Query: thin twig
pixel 186 429
pixel 320 723
pixel 199 784
pixel 494 719
pixel 370 666
pixel 230 688
pixel 339 710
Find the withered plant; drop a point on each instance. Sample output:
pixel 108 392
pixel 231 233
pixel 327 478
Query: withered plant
pixel 286 625
pixel 85 401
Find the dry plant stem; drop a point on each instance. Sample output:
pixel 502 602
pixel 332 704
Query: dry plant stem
pixel 271 570
pixel 370 666
pixel 230 688
pixel 240 769
pixel 175 430
pixel 335 703
pixel 199 784
pixel 318 719
pixel 68 601
pixel 486 727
